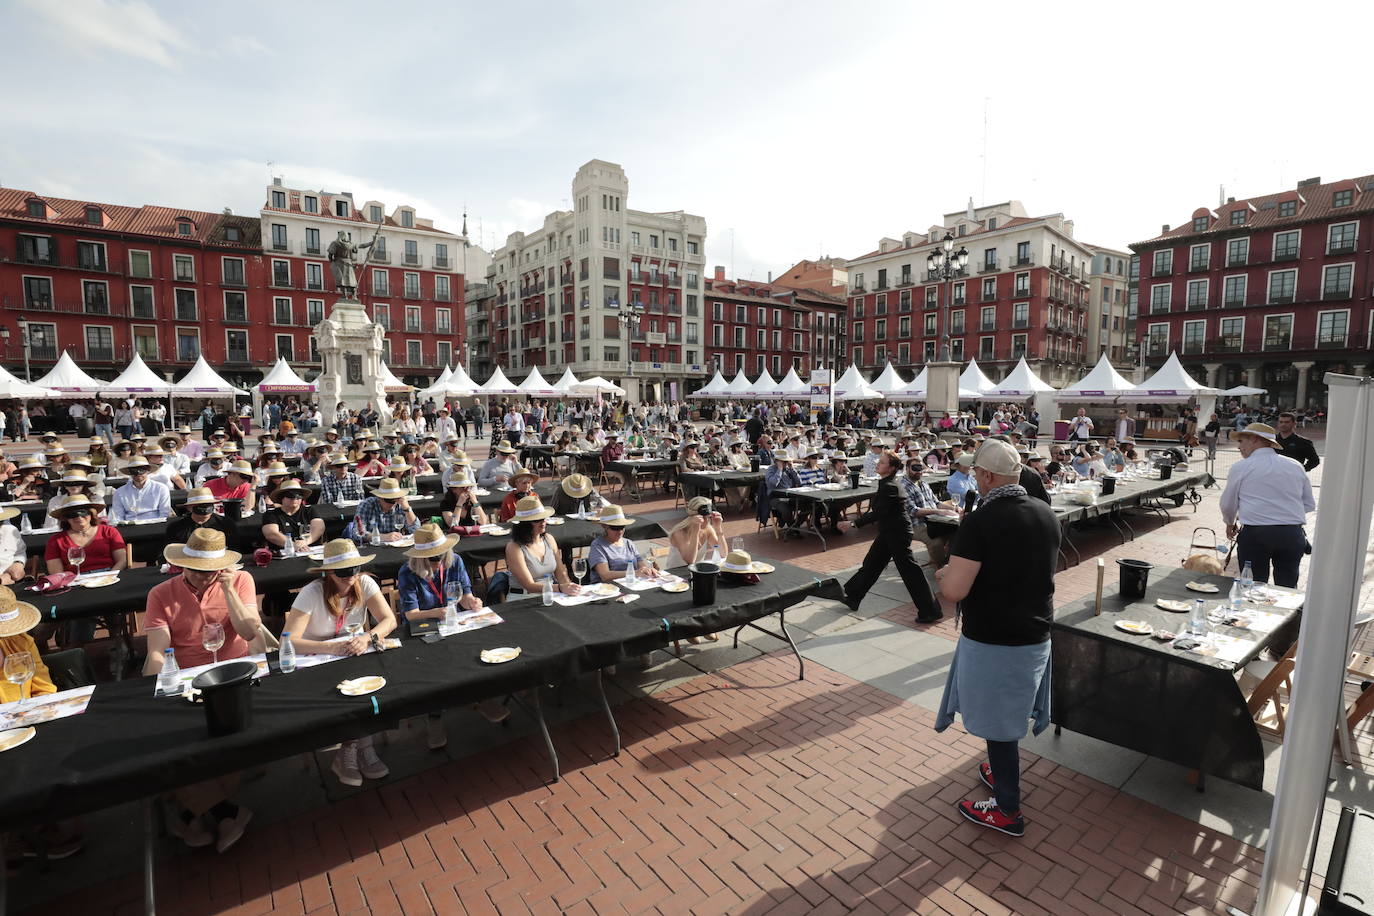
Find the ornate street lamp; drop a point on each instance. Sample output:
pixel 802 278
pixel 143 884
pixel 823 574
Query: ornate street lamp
pixel 944 264
pixel 629 316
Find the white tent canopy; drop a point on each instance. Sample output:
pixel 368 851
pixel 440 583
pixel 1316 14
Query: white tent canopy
pixel 203 380
pixel 1021 382
pixel 566 382
pixel 139 379
pixel 391 384
pixel 597 385
pixel 765 386
pixel 11 387
pixel 973 379
pixel 738 387
pixel 1172 381
pixel 792 384
pixel 1102 383
pixel 534 385
pixel 282 379
pixel 1243 391
pixel 888 381
pixel 440 387
pixel 498 384
pixel 460 384
pixel 67 377
pixel 852 387
pixel 914 390
pixel 715 388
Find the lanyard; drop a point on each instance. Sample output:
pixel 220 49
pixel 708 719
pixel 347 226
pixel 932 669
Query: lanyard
pixel 439 588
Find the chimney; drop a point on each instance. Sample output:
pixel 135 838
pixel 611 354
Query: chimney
pixel 770 276
pixel 1230 200
pixel 1306 182
pixel 1164 229
pixel 720 272
pixel 276 182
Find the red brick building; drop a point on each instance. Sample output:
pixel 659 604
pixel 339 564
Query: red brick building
pixel 757 326
pixel 1271 291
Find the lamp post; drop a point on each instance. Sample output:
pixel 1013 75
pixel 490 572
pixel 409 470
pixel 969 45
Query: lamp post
pixel 944 264
pixel 629 316
pixel 24 341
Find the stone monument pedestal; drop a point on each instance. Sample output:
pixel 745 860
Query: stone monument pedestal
pixel 942 389
pixel 350 346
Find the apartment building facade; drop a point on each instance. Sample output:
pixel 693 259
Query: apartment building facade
pixel 1111 324
pixel 1270 291
pixel 560 291
pixel 1024 292
pixel 769 326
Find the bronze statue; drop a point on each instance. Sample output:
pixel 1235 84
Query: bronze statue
pixel 341 252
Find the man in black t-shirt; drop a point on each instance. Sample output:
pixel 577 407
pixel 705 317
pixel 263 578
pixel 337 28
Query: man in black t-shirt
pixel 1001 571
pixel 200 513
pixel 1291 445
pixel 291 519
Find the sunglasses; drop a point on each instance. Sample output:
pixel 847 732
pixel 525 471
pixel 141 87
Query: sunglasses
pixel 343 573
pixel 80 513
pixel 292 496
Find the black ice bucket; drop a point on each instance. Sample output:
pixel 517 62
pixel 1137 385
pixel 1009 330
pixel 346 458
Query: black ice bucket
pixel 1166 471
pixel 853 480
pixel 226 692
pixel 754 463
pixel 1133 576
pixel 233 509
pixel 704 579
pixel 1108 486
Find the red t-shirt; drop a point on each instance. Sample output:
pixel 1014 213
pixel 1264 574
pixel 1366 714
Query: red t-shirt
pixel 219 486
pixel 99 552
pixel 172 606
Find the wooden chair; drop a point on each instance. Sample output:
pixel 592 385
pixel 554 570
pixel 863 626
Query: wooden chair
pixel 1271 676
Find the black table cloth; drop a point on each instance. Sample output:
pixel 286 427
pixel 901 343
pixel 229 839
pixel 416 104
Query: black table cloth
pixel 1139 692
pixel 129 744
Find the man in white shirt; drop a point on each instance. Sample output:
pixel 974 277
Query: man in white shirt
pixel 142 499
pixel 444 427
pixel 1265 506
pixel 293 444
pixel 514 424
pixel 161 472
pixel 1080 427
pixel 173 457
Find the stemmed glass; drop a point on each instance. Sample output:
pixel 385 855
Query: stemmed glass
pixel 212 638
pixel 354 625
pixel 18 671
pixel 76 556
pixel 579 569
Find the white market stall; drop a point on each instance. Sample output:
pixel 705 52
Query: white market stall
pixel 1173 384
pixel 596 385
pixel 973 379
pixel 738 387
pixel 535 386
pixel 792 385
pixel 763 388
pixel 852 387
pixel 440 387
pixel 138 379
pixel 888 382
pixel 715 388
pixel 69 379
pixel 498 384
pixel 12 387
pixel 282 379
pixel 202 382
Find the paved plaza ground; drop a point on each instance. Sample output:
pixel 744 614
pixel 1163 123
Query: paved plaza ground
pixel 740 789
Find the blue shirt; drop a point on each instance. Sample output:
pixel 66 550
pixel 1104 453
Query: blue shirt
pixel 417 594
pixel 616 556
pixel 375 518
pixel 151 503
pixel 959 484
pixel 810 477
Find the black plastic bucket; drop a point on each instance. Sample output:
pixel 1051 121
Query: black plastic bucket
pixel 1166 471
pixel 754 464
pixel 233 509
pixel 1132 577
pixel 704 579
pixel 226 692
pixel 1108 486
pixel 853 480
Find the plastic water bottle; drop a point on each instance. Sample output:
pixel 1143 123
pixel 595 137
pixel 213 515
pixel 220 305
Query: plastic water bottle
pixel 1197 620
pixel 168 680
pixel 548 590
pixel 1247 578
pixel 1237 599
pixel 450 621
pixel 631 577
pixel 374 537
pixel 25 526
pixel 287 654
pixel 289 550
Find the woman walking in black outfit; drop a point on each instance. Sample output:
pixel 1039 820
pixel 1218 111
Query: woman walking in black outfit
pixel 893 544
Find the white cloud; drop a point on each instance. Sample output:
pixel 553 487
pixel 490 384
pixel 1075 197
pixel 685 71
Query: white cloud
pixel 130 27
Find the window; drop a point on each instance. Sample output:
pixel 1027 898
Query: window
pixel 1158 340
pixel 1232 334
pixel 1164 262
pixel 37 209
pixel 312 204
pixel 611 296
pixel 880 304
pixel 930 323
pixel 692 333
pixel 413 353
pixel 279 200
pixel 903 328
pixel 235 346
pixel 38 292
pixel 412 286
pixel 145 342
pixel 188 345
pixel 314 311
pixel 1197 294
pixel 1022 285
pixel 1020 315
pixel 312 241
pixel 1340 238
pixel 672 244
pixel 990 259
pixel 1237 252
pixel 374 214
pixel 281 273
pixel 1023 253
pixel 1282 283
pixel 278 237
pixel 441 289
pixel 443 353
pixel 1336 281
pixel 411 252
pixel 985 348
pixel 777 340
pixel 1332 328
pixel 38 249
pixel 1238 217
pixel 1278 332
pixel 141 302
pixel 235 307
pixel 281 310
pixel 1160 295
pixel 185 304
pixel 693 248
pixel 1199 257
pixel 314 276
pixel 989 288
pixel 381 316
pixel 1194 335
pixel 183 268
pixel 341 208
pixel 443 322
pixel 408 219
pixel 413 319
pixel 381 283
pixel 95 297
pixel 653 241
pixel 379 250
pixel 232 269
pixel 718 336
pixel 880 329
pixel 988 318
pixel 760 338
pixel 183 227
pixel 232 234
pixel 1200 224
pixel 1233 291
pixel 1343 198
pixel 99 343
pixel 1286 245
pixel 90 255
pixel 286 346
pixel 1018 346
pixel 858 335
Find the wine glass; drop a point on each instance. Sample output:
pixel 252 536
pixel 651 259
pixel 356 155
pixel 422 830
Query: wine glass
pixel 353 626
pixel 76 555
pixel 212 638
pixel 579 569
pixel 18 671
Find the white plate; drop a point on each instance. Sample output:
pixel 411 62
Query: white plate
pixel 494 531
pixel 98 581
pixel 11 738
pixel 554 520
pixel 362 686
pixel 498 656
pixel 1178 607
pixel 1204 587
pixel 677 587
pixel 408 541
pixel 1136 627
pixel 602 590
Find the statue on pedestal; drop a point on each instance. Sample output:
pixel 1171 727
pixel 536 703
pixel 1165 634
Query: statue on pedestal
pixel 341 263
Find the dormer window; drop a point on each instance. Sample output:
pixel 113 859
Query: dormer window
pixel 279 200
pixel 341 208
pixel 94 217
pixel 183 227
pixel 232 234
pixel 312 204
pixel 408 219
pixel 374 213
pixel 1288 208
pixel 1238 217
pixel 37 209
pixel 1343 198
pixel 1200 224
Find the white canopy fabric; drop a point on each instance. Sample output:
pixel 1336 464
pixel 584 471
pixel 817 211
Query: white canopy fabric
pixel 535 385
pixel 597 385
pixel 565 382
pixel 1021 382
pixel 391 383
pixel 12 387
pixel 852 387
pixel 1241 391
pixel 792 384
pixel 738 387
pixel 914 390
pixel 69 378
pixel 204 380
pixel 973 379
pixel 461 384
pixel 715 388
pixel 440 387
pixel 765 386
pixel 139 379
pixel 888 381
pixel 1102 383
pixel 498 384
pixel 282 379
pixel 1172 381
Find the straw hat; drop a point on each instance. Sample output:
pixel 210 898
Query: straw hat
pixel 459 457
pixel 530 509
pixel 338 460
pixel 613 516
pixel 78 501
pixel 184 430
pixel 231 449
pixel 523 472
pixel 137 437
pixel 1264 432
pixel 155 450
pixel 136 461
pixel 739 562
pixel 200 496
pixel 275 469
pixel 48 435
pixel 8 513
pixel 504 447
pixel 430 541
pixel 54 451
pixel 370 446
pixel 271 448
pixel 291 486
pixel 96 440
pixel 240 467
pixel 461 478
pixel 219 433
pixel 341 553
pixel 171 442
pixel 389 489
pixel 16 616
pixel 31 463
pixel 397 463
pixel 74 476
pixel 213 454
pixel 204 551
pixel 577 485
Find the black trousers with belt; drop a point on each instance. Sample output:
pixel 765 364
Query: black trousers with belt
pixel 1279 546
pixel 892 547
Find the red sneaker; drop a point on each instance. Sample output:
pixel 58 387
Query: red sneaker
pixel 985 774
pixel 987 814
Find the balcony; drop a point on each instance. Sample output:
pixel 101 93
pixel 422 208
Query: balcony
pixel 442 263
pixel 410 292
pixel 1026 260
pixel 1331 342
pixel 1233 302
pixel 410 260
pixel 856 289
pixel 1196 305
pixel 1278 342
pixel 989 267
pixel 281 246
pixel 987 326
pixel 1199 266
pixel 231 357
pixel 310 250
pixel 1193 347
pixel 1237 260
pixel 233 282
pixel 1165 271
pixel 379 257
pixel 1334 295
pixel 1020 323
pixel 906 280
pixel 1281 300
pixel 1157 348
pixel 1341 247
pixel 1285 255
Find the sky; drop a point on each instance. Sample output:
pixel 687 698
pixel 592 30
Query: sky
pixel 797 129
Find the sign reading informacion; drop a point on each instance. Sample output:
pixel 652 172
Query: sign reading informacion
pixel 822 397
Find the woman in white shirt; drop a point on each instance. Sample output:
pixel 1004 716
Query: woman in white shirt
pixel 12 549
pixel 329 617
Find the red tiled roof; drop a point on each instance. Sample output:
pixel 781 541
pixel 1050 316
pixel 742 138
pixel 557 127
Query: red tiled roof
pixel 294 199
pixel 147 220
pixel 1314 203
pixel 1009 224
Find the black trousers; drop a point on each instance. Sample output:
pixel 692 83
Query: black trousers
pixel 1281 546
pixel 892 547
